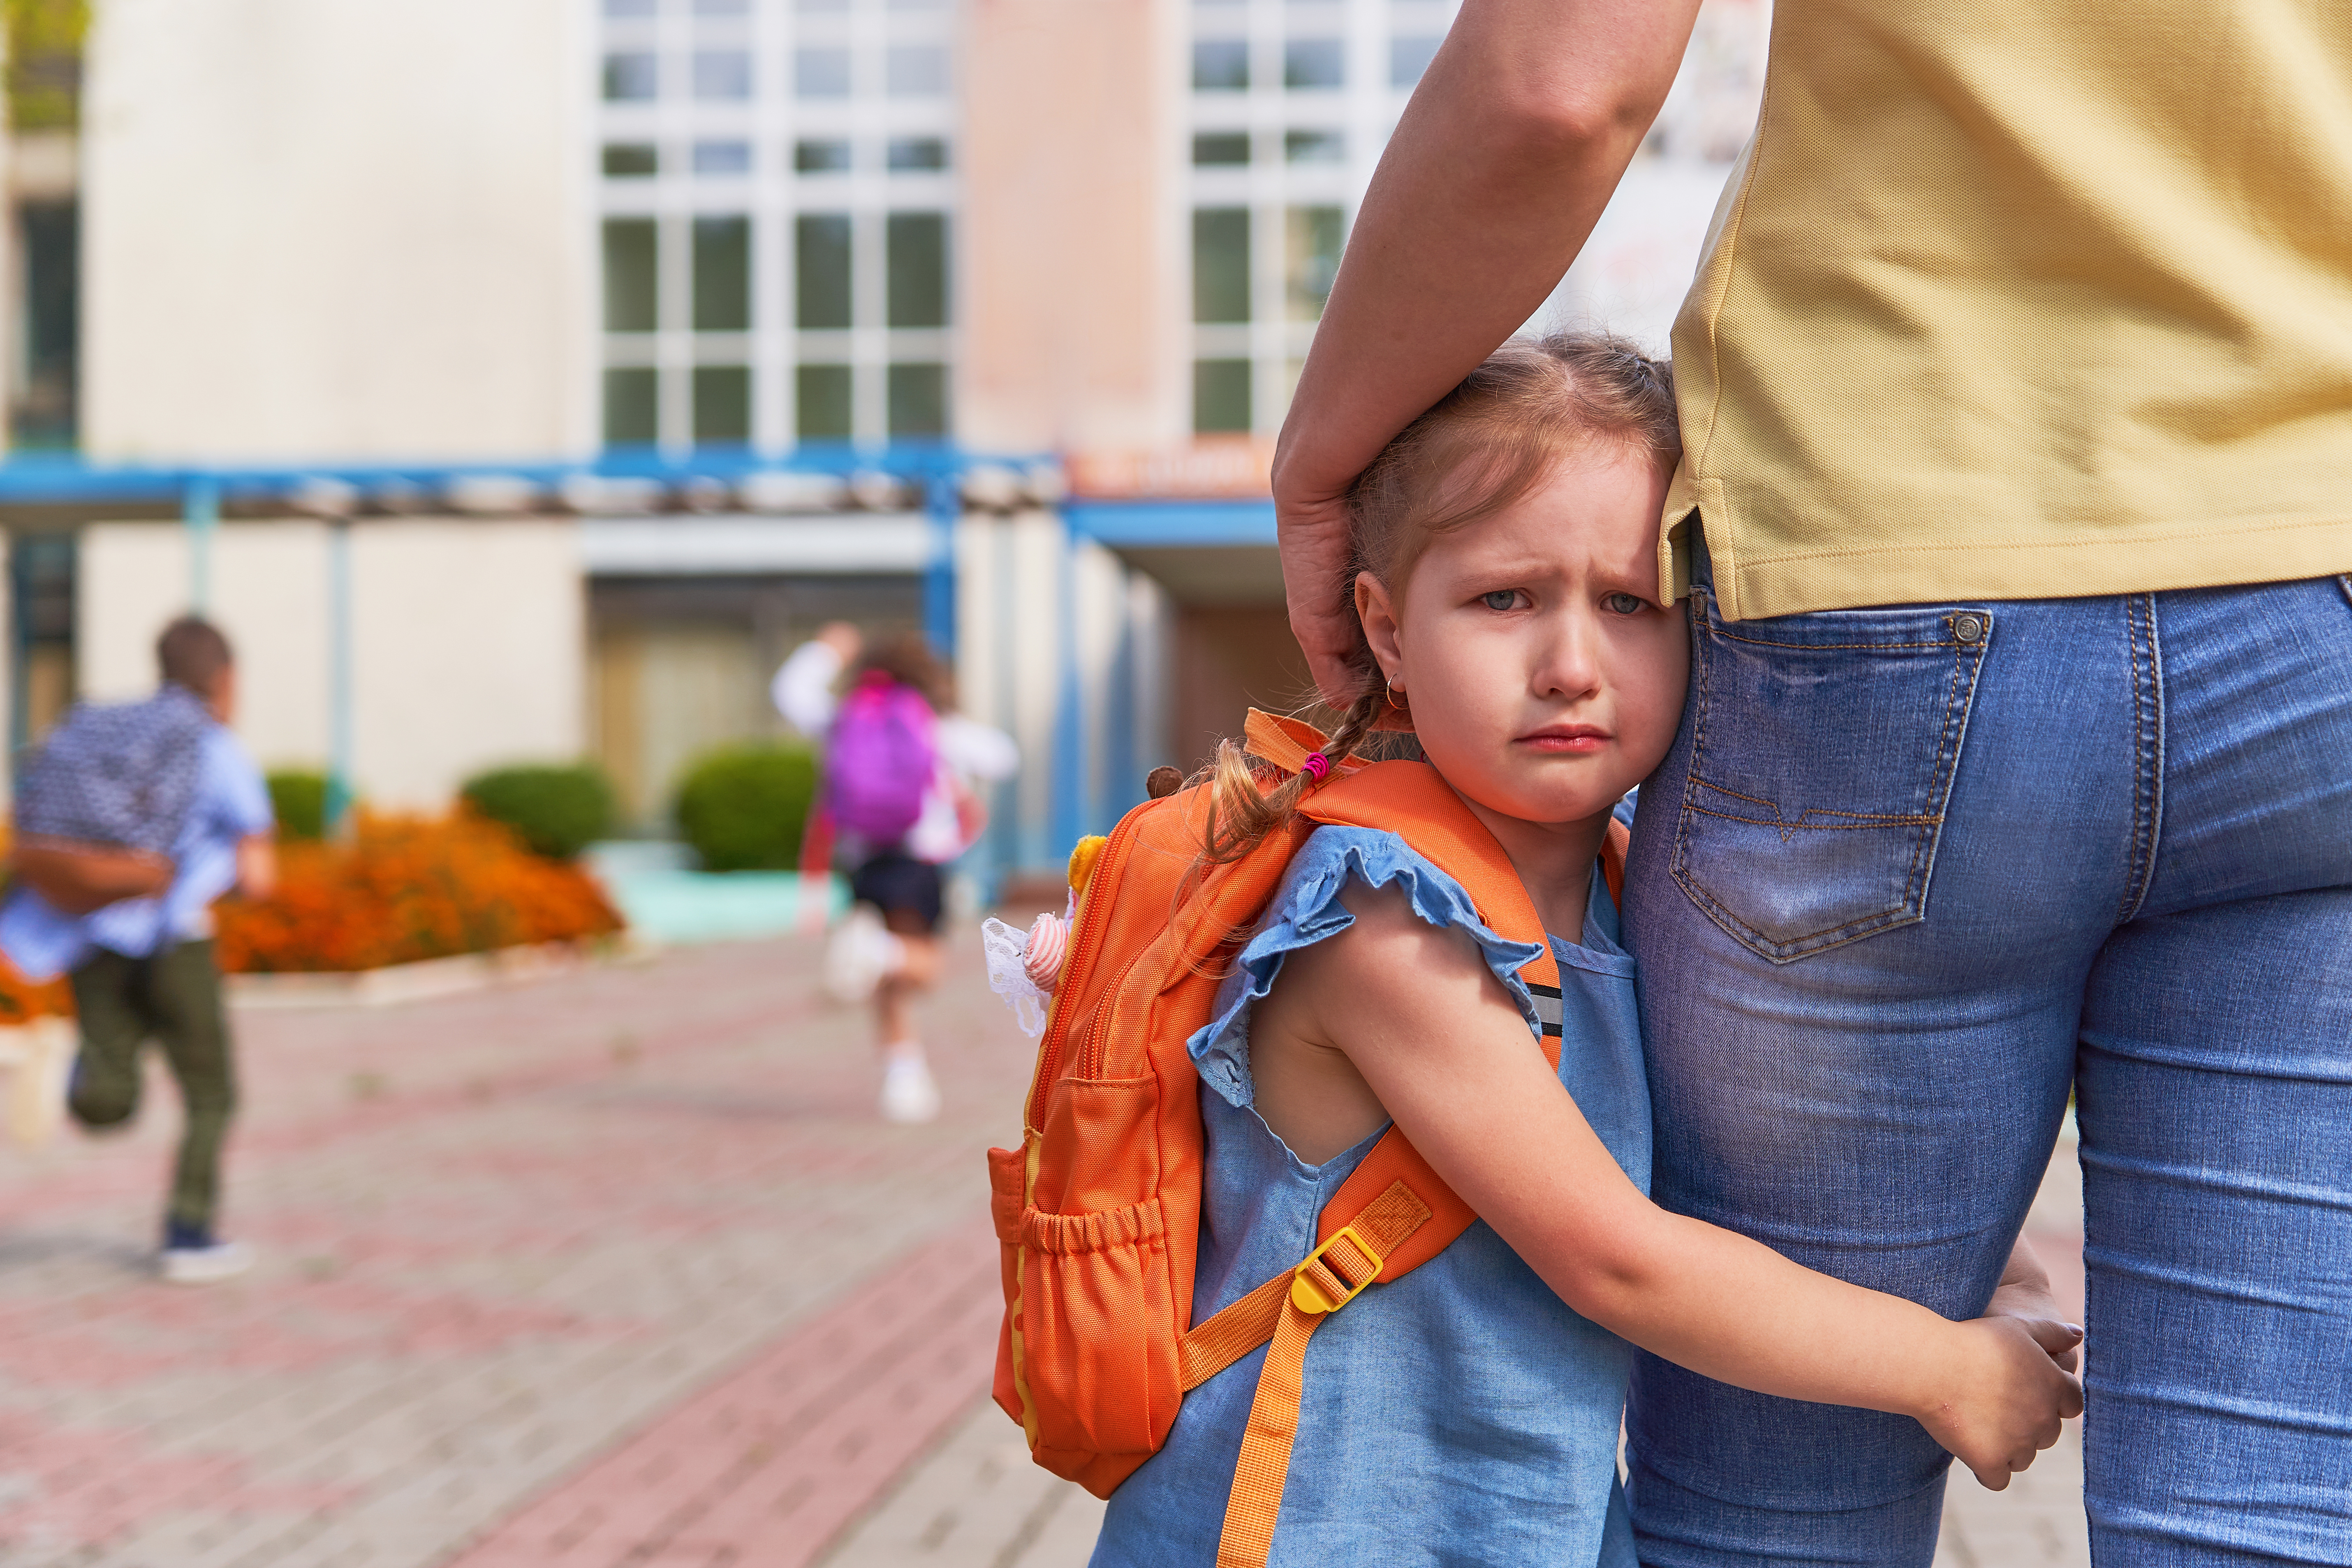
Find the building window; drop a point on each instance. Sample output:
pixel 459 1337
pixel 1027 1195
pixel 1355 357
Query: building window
pixel 722 8
pixel 631 273
pixel 723 74
pixel 1310 260
pixel 916 71
pixel 1314 63
pixel 1408 57
pixel 821 73
pixel 1315 147
pixel 1221 65
pixel 918 400
pixel 821 269
pixel 722 404
pixel 824 399
pixel 632 408
pixel 630 160
pixel 631 77
pixel 45 410
pixel 722 274
pixel 917 152
pixel 722 157
pixel 1221 291
pixel 821 157
pixel 1221 149
pixel 917 260
pixel 1220 396
pixel 629 7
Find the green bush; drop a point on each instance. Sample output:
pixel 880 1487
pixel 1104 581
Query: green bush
pixel 557 808
pixel 743 807
pixel 298 796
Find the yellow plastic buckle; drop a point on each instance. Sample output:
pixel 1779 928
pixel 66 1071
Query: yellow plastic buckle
pixel 1310 1295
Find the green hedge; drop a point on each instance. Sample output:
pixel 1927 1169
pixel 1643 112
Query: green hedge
pixel 557 808
pixel 299 797
pixel 743 807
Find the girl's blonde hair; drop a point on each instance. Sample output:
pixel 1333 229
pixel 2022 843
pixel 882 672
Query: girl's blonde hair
pixel 1480 448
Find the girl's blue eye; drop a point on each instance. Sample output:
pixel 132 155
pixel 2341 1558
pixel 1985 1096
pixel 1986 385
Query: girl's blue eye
pixel 1626 604
pixel 1501 598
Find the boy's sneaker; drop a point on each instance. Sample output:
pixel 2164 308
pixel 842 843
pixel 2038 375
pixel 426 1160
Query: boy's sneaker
pixel 908 1092
pixel 858 955
pixel 191 1255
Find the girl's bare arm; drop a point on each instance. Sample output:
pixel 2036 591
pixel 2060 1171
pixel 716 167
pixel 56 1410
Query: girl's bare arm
pixel 1505 157
pixel 1439 1042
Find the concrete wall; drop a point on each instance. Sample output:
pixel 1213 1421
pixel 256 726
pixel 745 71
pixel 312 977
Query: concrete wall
pixel 1072 269
pixel 337 229
pixel 467 640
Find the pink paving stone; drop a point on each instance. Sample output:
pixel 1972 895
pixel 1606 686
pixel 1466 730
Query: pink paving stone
pixel 769 1463
pixel 496 1225
pixel 82 1485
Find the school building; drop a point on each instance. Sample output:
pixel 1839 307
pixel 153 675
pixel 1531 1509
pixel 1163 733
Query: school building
pixel 523 382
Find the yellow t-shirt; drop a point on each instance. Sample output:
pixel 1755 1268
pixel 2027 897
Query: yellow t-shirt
pixel 2027 299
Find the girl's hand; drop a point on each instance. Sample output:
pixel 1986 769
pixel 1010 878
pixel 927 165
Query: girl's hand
pixel 2006 1394
pixel 2025 1294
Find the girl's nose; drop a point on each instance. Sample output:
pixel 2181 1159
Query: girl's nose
pixel 1568 666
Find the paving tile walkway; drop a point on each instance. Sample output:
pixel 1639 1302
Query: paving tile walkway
pixel 615 1268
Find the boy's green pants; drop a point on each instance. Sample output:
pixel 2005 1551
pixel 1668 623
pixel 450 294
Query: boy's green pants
pixel 174 998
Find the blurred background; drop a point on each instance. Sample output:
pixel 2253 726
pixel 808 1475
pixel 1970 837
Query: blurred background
pixel 519 382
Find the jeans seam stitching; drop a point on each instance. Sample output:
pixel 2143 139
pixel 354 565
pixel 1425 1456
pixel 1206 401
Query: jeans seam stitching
pixel 2147 747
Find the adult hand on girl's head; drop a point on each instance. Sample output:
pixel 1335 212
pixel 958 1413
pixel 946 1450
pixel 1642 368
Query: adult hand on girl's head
pixel 2006 1397
pixel 1313 525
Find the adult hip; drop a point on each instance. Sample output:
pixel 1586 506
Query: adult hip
pixel 1907 876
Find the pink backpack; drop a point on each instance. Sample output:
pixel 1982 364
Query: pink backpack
pixel 879 759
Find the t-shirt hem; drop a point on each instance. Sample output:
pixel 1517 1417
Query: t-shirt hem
pixel 2141 559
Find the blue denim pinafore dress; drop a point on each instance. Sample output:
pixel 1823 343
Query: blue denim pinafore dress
pixel 1463 1415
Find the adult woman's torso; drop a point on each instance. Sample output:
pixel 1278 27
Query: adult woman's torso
pixel 2027 299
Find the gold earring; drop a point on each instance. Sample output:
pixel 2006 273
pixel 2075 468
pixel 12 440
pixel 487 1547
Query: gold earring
pixel 1392 695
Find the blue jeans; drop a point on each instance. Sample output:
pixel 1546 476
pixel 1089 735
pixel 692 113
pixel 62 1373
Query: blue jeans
pixel 1907 876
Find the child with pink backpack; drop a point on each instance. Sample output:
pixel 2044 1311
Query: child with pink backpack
pixel 897 805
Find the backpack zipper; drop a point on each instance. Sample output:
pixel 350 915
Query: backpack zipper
pixel 1049 1062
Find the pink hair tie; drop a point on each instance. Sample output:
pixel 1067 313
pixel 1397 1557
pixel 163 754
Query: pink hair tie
pixel 1316 766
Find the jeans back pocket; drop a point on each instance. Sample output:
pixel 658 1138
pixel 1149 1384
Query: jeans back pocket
pixel 1822 753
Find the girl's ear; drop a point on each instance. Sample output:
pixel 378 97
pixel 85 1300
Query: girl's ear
pixel 1378 614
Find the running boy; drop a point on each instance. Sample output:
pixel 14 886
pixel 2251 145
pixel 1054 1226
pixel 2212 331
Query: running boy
pixel 143 969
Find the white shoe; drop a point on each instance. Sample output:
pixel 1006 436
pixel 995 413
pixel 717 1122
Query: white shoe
pixel 206 1265
pixel 908 1092
pixel 858 956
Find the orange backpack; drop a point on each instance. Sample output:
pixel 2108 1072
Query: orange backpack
pixel 1098 1210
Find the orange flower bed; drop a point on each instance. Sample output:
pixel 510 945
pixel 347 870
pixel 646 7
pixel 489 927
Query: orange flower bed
pixel 22 1001
pixel 405 888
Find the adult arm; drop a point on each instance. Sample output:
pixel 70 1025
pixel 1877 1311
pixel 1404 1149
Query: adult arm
pixel 1436 1038
pixel 1505 157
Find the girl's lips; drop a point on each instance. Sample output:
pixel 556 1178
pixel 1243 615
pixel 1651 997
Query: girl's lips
pixel 1567 737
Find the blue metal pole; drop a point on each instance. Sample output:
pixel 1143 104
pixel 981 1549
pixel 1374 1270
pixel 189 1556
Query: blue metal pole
pixel 945 499
pixel 200 510
pixel 1069 720
pixel 339 671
